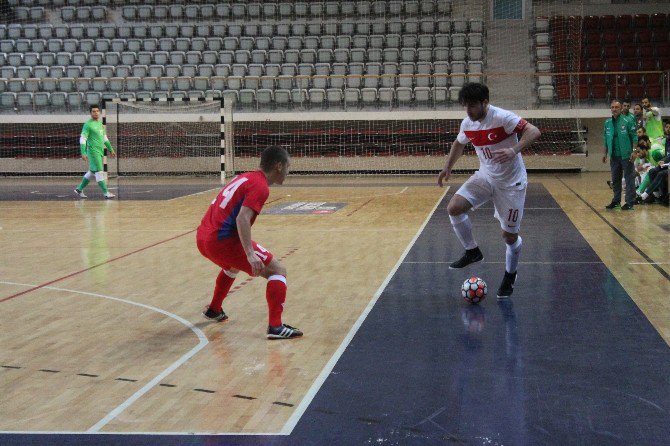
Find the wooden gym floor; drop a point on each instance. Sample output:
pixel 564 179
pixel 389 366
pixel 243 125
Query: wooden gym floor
pixel 102 332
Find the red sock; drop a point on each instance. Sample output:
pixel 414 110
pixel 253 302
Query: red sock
pixel 276 295
pixel 224 281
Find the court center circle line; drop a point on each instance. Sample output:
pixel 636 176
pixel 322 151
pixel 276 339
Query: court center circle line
pixel 203 341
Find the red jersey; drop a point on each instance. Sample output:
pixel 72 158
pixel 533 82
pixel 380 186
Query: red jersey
pixel 248 189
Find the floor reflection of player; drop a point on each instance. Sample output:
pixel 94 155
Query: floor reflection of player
pixel 95 250
pixel 509 388
pixel 486 398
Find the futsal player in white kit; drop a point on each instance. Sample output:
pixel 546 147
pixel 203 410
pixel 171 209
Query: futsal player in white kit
pixel 498 136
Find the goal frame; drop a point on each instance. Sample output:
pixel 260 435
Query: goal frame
pixel 222 151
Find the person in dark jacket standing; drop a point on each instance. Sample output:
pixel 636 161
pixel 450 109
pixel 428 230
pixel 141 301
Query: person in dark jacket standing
pixel 619 138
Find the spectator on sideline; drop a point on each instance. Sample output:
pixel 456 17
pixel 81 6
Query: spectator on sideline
pixel 653 122
pixel 638 116
pixel 625 109
pixel 619 137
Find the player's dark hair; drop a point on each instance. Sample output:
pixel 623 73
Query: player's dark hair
pixel 473 92
pixel 643 138
pixel 92 106
pixel 273 155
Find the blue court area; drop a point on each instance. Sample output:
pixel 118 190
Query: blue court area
pixel 568 360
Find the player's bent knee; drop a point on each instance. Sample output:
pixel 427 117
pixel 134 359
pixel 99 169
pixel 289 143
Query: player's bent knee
pixel 274 268
pixel 458 205
pixel 510 237
pixel 100 176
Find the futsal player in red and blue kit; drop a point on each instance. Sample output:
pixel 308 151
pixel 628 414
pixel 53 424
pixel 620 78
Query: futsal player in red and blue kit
pixel 224 237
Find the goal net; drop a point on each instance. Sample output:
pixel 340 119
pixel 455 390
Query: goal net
pixel 383 143
pixel 166 138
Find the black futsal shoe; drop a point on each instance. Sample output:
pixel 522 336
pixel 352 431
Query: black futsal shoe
pixel 214 316
pixel 613 205
pixel 627 207
pixel 471 256
pixel 507 286
pixel 283 332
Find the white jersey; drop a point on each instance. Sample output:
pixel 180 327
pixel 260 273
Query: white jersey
pixel 497 131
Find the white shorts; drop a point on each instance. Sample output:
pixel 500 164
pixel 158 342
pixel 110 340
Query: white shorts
pixel 508 202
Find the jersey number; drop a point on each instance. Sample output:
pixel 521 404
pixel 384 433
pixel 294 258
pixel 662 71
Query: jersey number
pixel 513 215
pixel 229 191
pixel 487 153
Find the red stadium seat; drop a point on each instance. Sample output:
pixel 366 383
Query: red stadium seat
pixel 616 90
pixel 591 22
pixel 608 22
pixel 599 92
pixel 662 51
pixel 583 91
pixel 626 37
pixel 634 79
pixel 561 66
pixel 653 91
pixel 652 79
pixel 609 37
pixel 640 21
pixel 610 51
pixel 648 65
pixel 614 79
pixel 657 20
pixel 643 36
pixel 624 21
pixel 562 87
pixel 595 51
pixel 614 65
pixel 628 64
pixel 628 50
pixel 645 51
pixel 598 79
pixel 660 35
pixel 593 37
pixel 635 91
pixel 557 23
pixel 595 65
pixel 664 63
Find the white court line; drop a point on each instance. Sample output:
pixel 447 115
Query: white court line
pixel 193 194
pixel 151 384
pixel 181 434
pixel 328 368
pixel 525 263
pixel 649 263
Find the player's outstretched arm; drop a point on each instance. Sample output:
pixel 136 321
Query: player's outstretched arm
pixel 455 153
pixel 243 221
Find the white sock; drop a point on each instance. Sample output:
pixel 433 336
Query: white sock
pixel 644 195
pixel 656 194
pixel 463 229
pixel 512 256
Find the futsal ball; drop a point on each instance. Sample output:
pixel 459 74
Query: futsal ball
pixel 474 290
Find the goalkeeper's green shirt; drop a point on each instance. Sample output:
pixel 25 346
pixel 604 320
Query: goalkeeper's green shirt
pixel 93 138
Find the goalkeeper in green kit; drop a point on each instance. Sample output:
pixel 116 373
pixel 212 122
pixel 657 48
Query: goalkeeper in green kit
pixel 92 143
